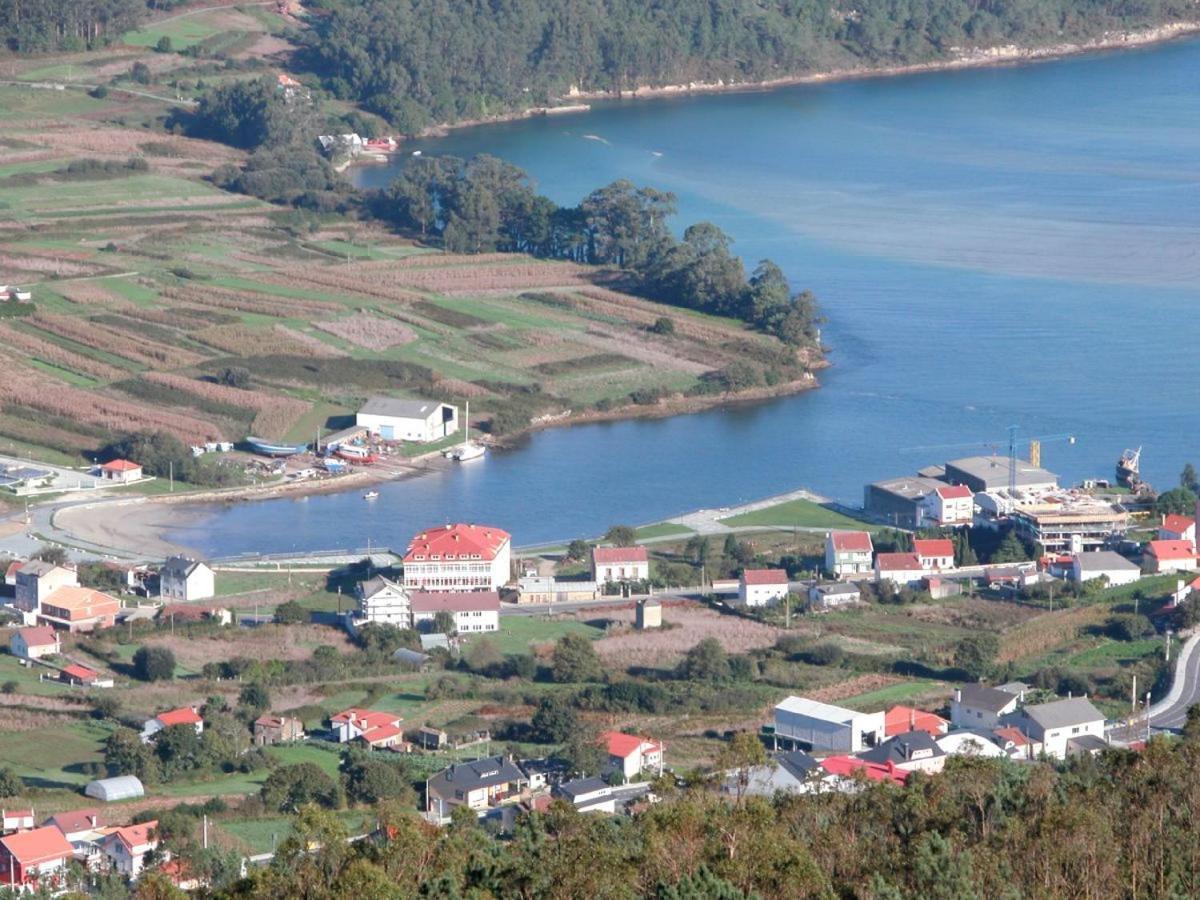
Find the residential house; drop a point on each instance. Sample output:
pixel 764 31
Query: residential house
pixel 78 609
pixel 617 564
pixel 1184 590
pixel 548 589
pixel 16 820
pixel 475 785
pixel 1104 564
pixel 793 772
pixel 458 558
pixel 648 614
pixel 185 715
pixel 833 595
pixel 186 580
pixel 822 726
pixel 1170 556
pixel 83 829
pixel 848 769
pixel 934 554
pixel 588 795
pixel 384 737
pixel 1178 528
pixel 473 611
pixel 912 751
pixel 34 642
pixel 632 755
pixel 762 587
pixel 384 602
pixel 36 580
pixel 977 706
pixel 121 471
pixel 902 569
pixel 900 719
pixel 422 421
pixel 355 722
pixel 848 553
pixel 80 676
pixel 1054 725
pixel 34 860
pixel 429 738
pixel 949 506
pixel 128 847
pixel 271 729
pixel 969 743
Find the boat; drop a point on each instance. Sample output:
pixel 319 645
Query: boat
pixel 1129 468
pixel 270 448
pixel 370 495
pixel 359 456
pixel 467 451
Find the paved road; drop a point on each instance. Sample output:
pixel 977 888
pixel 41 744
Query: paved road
pixel 1171 711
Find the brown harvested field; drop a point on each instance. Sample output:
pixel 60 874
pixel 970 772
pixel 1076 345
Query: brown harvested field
pixel 114 341
pixel 249 301
pixel 70 139
pixel 58 356
pixel 852 687
pixel 28 720
pixel 275 414
pixel 368 331
pixel 312 345
pixel 88 293
pixel 694 623
pixel 246 340
pixel 264 642
pixel 1047 631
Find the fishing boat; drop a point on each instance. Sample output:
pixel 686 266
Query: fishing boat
pixel 359 456
pixel 467 451
pixel 270 448
pixel 370 495
pixel 1129 468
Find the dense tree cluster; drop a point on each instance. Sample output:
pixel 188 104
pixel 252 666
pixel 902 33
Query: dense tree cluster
pixel 485 204
pixel 38 26
pixel 418 62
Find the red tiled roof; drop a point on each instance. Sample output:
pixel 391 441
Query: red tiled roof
pixel 81 673
pixel 1177 523
pixel 37 846
pixel 134 836
pixel 13 568
pixel 81 602
pixel 18 814
pixel 954 492
pixel 454 601
pixel 76 820
pixel 1171 550
pixel 366 719
pixel 898 562
pixel 1013 735
pixel 381 733
pixel 934 547
pixel 38 636
pixel 849 765
pixel 623 745
pixel 612 555
pixel 120 465
pixel 185 715
pixel 765 576
pixel 457 542
pixel 900 719
pixel 859 541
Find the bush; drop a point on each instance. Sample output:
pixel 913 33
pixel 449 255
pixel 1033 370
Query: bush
pixel 823 655
pixel 99 92
pixel 663 325
pixel 164 44
pixel 9 687
pixel 154 664
pixel 140 72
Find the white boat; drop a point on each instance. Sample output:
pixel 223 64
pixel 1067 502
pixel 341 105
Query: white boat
pixel 370 495
pixel 467 451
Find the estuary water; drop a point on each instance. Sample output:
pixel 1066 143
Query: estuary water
pixel 993 247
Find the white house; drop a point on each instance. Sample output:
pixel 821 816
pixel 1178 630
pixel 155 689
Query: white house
pixel 459 558
pixel 423 421
pixel 355 722
pixel 947 507
pixel 34 642
pixel 1104 564
pixel 121 471
pixel 833 595
pixel 902 569
pixel 185 715
pixel 588 795
pixel 912 751
pixel 384 602
pixel 1171 556
pixel 934 554
pixel 473 611
pixel 36 580
pixel 632 755
pixel 848 553
pixel 127 847
pixel 186 580
pixel 1056 724
pixel 978 706
pixel 762 587
pixel 1177 528
pixel 825 727
pixel 620 564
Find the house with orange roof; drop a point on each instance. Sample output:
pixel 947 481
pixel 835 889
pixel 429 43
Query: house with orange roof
pixel 900 719
pixel 1177 528
pixel 384 737
pixel 81 676
pixel 762 587
pixel 849 768
pixel 935 554
pixel 184 715
pixel 120 471
pixel 632 755
pixel 459 557
pixel 34 642
pixel 355 722
pixel 79 609
pixel 127 848
pixel 16 819
pixel 1170 556
pixel 35 859
pixel 949 506
pixel 902 569
pixel 36 580
pixel 848 553
pixel 83 829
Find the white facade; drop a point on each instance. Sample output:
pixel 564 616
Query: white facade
pixel 951 506
pixel 826 727
pixel 37 580
pixel 462 573
pixel 981 708
pixel 384 602
pixel 422 421
pixel 612 564
pixel 186 580
pixel 1054 724
pixel 762 587
pixel 1104 564
pixel 848 553
pixel 933 556
pixel 466 621
pixel 34 643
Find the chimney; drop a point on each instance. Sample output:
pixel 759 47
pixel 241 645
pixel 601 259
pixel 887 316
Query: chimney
pixel 958 695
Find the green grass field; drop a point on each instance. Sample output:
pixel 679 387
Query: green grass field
pixel 52 756
pixel 262 835
pixel 796 514
pixel 662 530
pixel 892 695
pixel 518 633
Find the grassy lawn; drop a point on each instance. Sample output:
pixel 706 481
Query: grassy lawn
pixel 518 633
pixel 53 755
pixel 300 753
pixel 892 694
pixel 1115 653
pixel 662 529
pixel 230 584
pixel 797 514
pixel 261 835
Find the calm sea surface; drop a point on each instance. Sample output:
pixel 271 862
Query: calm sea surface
pixel 1014 246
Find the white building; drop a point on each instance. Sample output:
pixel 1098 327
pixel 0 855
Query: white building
pixel 912 751
pixel 947 507
pixel 825 727
pixel 128 847
pixel 185 715
pixel 935 555
pixel 1056 724
pixel 458 558
pixel 833 595
pixel 969 743
pixel 423 421
pixel 473 611
pixel 34 642
pixel 633 755
pixel 38 579
pixel 848 553
pixel 762 587
pixel 1171 556
pixel 620 564
pixel 384 602
pixel 902 569
pixel 1104 564
pixel 979 707
pixel 186 580
pixel 1178 528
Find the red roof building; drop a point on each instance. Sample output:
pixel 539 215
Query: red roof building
pixel 954 492
pixel 75 608
pixel 433 602
pixel 902 719
pixel 34 643
pixel 1171 556
pixel 457 542
pixel 620 564
pixel 902 568
pixel 35 858
pixel 127 847
pixel 459 558
pixel 850 767
pixel 765 576
pixel 185 715
pixel 633 754
pixel 857 541
pixel 77 823
pixel 619 555
pixel 121 470
pixel 936 548
pixel 1178 528
pixel 355 722
pixel 77 674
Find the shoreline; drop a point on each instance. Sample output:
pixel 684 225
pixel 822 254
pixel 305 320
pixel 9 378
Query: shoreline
pixel 576 101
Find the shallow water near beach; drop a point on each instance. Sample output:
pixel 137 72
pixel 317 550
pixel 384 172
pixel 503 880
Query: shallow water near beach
pixel 994 247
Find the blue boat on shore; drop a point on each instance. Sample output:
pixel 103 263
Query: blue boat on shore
pixel 268 448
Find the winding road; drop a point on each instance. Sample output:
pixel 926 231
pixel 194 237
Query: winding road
pixel 1171 711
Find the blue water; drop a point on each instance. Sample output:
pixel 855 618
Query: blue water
pixel 991 247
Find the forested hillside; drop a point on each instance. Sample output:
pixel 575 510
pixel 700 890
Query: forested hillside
pixel 35 26
pixel 417 62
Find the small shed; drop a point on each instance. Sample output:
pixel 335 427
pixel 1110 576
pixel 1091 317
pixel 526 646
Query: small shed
pixel 649 614
pixel 122 787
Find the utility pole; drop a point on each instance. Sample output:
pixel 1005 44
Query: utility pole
pixel 171 474
pixel 1168 658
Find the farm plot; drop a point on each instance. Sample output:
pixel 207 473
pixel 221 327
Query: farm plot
pixel 368 331
pixel 693 622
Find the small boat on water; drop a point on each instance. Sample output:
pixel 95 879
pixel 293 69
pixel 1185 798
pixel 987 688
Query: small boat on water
pixel 370 495
pixel 466 451
pixel 270 448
